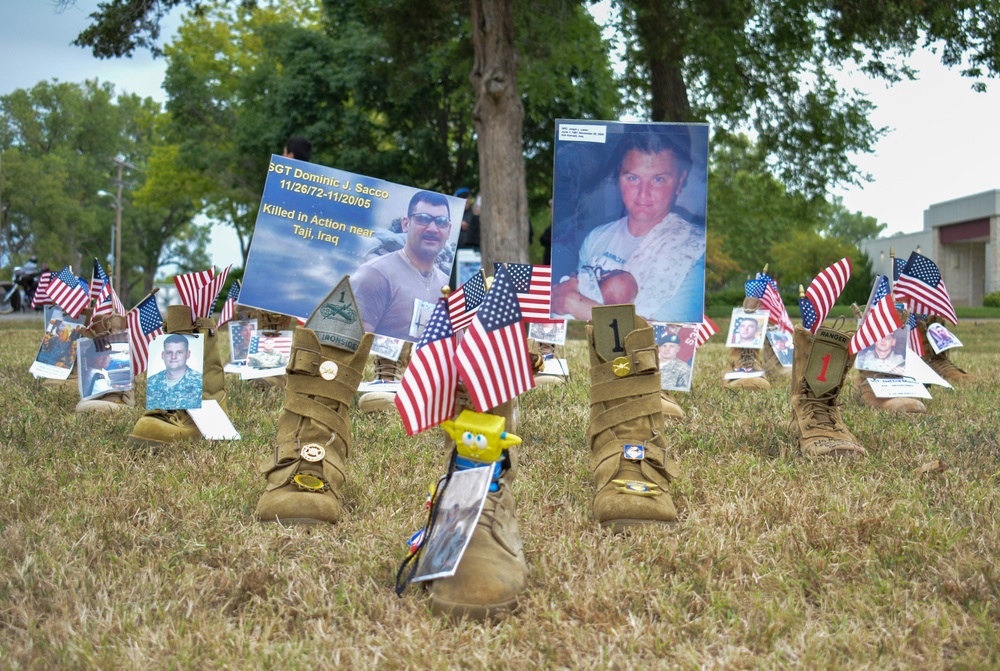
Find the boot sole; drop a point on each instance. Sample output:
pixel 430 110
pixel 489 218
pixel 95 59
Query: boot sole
pixel 141 441
pixel 618 526
pixel 292 520
pixel 473 611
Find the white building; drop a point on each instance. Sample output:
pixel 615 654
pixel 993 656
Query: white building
pixel 961 237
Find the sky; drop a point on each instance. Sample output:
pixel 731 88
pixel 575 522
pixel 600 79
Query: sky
pixel 944 141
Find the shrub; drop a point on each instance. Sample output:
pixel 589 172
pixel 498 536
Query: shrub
pixel 992 300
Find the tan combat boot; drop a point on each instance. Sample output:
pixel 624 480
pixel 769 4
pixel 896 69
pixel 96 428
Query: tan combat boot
pixel 492 572
pixel 268 324
pixel 905 404
pixel 628 450
pixel 545 352
pixel 672 410
pixel 386 370
pixel 819 367
pixel 746 361
pixel 305 474
pixel 940 363
pixel 897 404
pixel 773 369
pixel 161 427
pixel 101 330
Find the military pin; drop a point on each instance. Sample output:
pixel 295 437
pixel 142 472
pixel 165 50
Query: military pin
pixel 328 370
pixel 308 482
pixel 634 452
pixel 637 488
pixel 621 366
pixel 312 452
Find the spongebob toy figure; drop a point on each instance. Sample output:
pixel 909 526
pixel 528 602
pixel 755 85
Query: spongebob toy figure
pixel 480 440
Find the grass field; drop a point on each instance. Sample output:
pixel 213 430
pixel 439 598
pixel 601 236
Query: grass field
pixel 112 557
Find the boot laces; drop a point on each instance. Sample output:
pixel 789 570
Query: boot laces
pixel 748 359
pixel 271 321
pixel 388 370
pixel 112 396
pixel 820 411
pixel 178 417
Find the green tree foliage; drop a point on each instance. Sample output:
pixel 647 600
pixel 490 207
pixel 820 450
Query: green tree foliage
pixel 217 84
pixel 754 219
pixel 59 143
pixel 163 211
pixel 750 209
pixel 769 66
pixel 381 88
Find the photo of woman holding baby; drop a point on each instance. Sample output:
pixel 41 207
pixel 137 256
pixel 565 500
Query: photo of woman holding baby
pixel 652 254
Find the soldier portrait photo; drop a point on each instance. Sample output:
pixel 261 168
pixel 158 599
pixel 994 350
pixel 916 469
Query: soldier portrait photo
pixel 174 383
pixel 781 343
pixel 264 355
pixel 241 334
pixel 746 331
pixel 675 348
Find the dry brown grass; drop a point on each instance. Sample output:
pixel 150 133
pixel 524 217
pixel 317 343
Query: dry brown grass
pixel 117 558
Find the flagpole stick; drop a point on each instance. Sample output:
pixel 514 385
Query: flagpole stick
pixel 892 267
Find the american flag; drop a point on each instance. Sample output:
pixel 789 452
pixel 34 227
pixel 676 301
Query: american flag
pixel 282 343
pixel 706 330
pixel 190 285
pixel 493 359
pixel 66 292
pixel 916 344
pixel 464 301
pixel 880 319
pixel 209 293
pixel 41 296
pixel 809 316
pixel 108 302
pixel 229 307
pixel 144 324
pixel 897 268
pixel 427 391
pixel 920 286
pixel 533 285
pixel 99 281
pixel 765 288
pixel 823 292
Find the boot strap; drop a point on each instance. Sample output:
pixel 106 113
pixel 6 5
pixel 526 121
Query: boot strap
pixel 645 406
pixel 624 387
pixel 339 389
pixel 311 409
pixel 640 362
pixel 605 463
pixel 307 363
pixel 278 474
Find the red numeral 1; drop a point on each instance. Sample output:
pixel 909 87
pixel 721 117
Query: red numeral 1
pixel 826 364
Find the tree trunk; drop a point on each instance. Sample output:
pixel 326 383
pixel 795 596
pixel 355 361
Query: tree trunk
pixel 498 116
pixel 659 26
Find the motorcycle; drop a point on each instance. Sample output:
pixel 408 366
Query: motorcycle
pixel 18 293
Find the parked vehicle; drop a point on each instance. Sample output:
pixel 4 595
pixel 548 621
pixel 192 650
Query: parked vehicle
pixel 17 294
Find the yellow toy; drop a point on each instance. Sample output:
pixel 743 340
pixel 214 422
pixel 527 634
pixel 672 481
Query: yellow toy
pixel 480 436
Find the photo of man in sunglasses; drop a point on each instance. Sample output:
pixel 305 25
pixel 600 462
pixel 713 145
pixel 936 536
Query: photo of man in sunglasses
pixel 394 291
